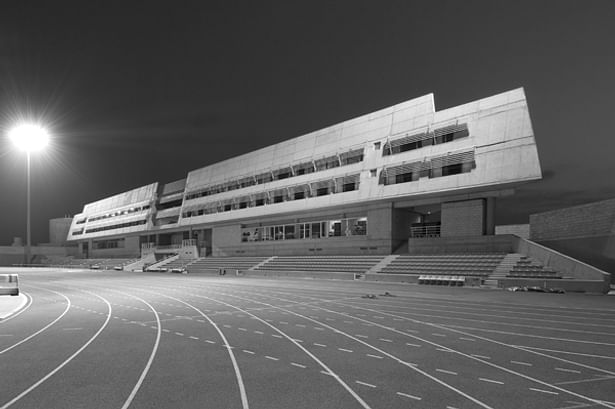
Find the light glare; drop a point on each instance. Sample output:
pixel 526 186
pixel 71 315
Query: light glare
pixel 29 137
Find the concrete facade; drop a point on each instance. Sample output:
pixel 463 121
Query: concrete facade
pixel 362 183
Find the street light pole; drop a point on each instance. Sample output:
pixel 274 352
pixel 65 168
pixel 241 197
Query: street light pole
pixel 28 230
pixel 29 138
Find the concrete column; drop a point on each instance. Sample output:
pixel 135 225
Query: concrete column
pixel 490 216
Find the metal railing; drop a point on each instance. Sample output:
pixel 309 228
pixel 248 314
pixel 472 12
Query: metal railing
pixel 184 243
pixel 424 231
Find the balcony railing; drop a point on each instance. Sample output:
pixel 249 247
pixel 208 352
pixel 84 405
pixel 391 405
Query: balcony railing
pixel 424 231
pixel 184 243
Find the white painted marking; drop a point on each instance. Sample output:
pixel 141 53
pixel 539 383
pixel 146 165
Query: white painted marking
pixel 521 363
pixel 242 329
pixel 272 358
pixel 248 352
pixel 210 341
pixel 180 334
pixel 300 325
pixel 567 370
pixel 298 340
pixel 298 365
pixel 385 340
pixel 361 336
pixel 543 391
pixel 320 345
pixel 365 384
pixel 444 349
pixel 445 371
pixel 480 356
pixel 259 332
pixel 319 329
pixel 165 330
pixel 70 358
pixel 226 326
pixel 438 335
pixel 467 339
pixel 284 322
pixel 192 337
pixel 491 381
pixel 412 345
pixel 276 336
pixel 345 350
pixel 405 395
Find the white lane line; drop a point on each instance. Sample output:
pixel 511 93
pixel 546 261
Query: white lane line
pixel 602 378
pixel 412 345
pixel 360 336
pixel 70 358
pixel 521 363
pixel 405 395
pixel 322 364
pixel 452 328
pixel 226 326
pixel 565 352
pixel 181 334
pixel 276 336
pixel 320 345
pixel 284 322
pixel 68 306
pixel 438 335
pixel 166 330
pixel 567 370
pixel 28 304
pixel 467 339
pixel 298 365
pixel 410 365
pixel 374 356
pixel 242 329
pixel 345 350
pixel 365 384
pixel 298 340
pixel 272 358
pixel 259 332
pixel 491 381
pixel 543 391
pixel 209 341
pixel 300 325
pixel 151 357
pixel 480 356
pixel 240 384
pixel 248 352
pixel 385 340
pixel 193 337
pixel 444 349
pixel 447 372
pixel 319 329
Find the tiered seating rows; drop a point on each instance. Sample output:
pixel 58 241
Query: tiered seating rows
pixel 461 264
pixel 214 263
pixel 350 264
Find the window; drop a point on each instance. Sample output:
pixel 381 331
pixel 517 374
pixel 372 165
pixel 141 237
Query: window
pixel 452 169
pixel 322 191
pixel 299 195
pixel 376 146
pixel 373 173
pixel 278 199
pixel 348 187
pixel 259 202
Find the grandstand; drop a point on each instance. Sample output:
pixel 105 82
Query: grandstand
pixel 356 198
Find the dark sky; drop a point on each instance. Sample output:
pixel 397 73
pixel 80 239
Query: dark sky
pixel 135 92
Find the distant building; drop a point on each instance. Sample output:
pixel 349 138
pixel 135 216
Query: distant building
pixel 366 185
pixel 585 232
pixel 58 230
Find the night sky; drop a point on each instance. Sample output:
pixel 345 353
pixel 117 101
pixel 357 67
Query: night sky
pixel 135 92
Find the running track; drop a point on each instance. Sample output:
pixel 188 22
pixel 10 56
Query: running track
pixel 95 339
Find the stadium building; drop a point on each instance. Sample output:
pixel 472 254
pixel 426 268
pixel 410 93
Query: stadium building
pixel 364 186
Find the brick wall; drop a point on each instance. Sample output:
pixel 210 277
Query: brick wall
pixel 593 219
pixel 463 218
